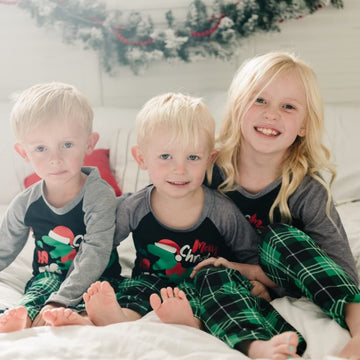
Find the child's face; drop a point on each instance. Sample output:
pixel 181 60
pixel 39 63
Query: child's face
pixel 56 150
pixel 277 117
pixel 176 170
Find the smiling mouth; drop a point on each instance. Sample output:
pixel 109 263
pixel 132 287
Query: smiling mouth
pixel 267 131
pixel 178 182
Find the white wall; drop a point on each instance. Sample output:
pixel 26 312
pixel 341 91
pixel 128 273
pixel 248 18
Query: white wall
pixel 329 39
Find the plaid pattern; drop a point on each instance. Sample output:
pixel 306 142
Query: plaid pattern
pixel 134 293
pixel 294 261
pixel 231 313
pixel 37 291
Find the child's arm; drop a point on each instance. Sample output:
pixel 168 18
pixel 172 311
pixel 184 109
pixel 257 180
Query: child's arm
pixel 251 272
pixel 13 231
pixel 308 206
pixel 99 206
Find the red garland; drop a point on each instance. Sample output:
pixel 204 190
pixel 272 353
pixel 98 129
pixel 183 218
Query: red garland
pixel 209 31
pixel 124 40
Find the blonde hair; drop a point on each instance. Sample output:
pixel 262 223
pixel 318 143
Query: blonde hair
pixel 185 116
pixel 49 101
pixel 306 156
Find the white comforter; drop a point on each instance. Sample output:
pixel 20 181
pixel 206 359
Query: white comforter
pixel 148 338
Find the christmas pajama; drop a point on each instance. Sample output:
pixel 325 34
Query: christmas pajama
pixel 231 313
pixel 37 291
pixel 134 293
pixel 292 260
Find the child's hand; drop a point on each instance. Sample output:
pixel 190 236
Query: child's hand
pixel 254 273
pixel 251 272
pixel 211 262
pixel 260 290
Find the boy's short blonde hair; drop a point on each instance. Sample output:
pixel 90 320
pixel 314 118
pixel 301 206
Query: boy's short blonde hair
pixel 184 115
pixel 49 101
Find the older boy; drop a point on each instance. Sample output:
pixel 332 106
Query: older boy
pixel 71 212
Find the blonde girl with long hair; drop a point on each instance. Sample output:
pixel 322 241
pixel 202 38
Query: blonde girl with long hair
pixel 272 163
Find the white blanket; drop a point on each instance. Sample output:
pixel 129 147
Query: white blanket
pixel 149 339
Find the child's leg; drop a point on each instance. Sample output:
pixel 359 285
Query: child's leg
pixel 64 316
pixel 130 302
pixel 293 260
pixel 174 308
pixel 37 291
pixel 281 346
pixel 101 305
pixel 103 308
pixel 230 312
pixel 352 319
pixel 14 319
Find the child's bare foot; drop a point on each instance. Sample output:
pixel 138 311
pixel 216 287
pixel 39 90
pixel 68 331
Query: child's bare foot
pixel 14 320
pixel 279 347
pixel 62 316
pixel 174 308
pixel 102 306
pixel 351 349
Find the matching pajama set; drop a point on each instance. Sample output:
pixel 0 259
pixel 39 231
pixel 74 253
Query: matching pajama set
pixel 73 245
pixel 312 258
pixel 166 256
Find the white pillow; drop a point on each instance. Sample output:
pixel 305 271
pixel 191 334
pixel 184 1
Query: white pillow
pixel 342 126
pixel 350 217
pixel 11 162
pixel 128 174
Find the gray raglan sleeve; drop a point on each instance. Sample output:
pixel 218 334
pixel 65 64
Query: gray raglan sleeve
pixel 308 205
pixel 13 231
pixel 239 235
pixel 99 206
pixel 124 214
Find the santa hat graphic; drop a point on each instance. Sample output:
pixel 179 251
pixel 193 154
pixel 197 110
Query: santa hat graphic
pixel 62 234
pixel 170 246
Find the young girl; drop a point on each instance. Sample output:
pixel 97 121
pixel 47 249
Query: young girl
pixel 269 163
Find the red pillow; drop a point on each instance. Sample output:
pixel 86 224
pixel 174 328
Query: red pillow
pixel 98 158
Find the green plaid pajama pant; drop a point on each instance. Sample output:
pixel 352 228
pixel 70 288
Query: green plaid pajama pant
pixel 40 287
pixel 134 293
pixel 37 291
pixel 291 259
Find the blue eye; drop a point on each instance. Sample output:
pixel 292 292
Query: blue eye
pixel 165 156
pixel 68 145
pixel 288 107
pixel 260 100
pixel 40 148
pixel 193 157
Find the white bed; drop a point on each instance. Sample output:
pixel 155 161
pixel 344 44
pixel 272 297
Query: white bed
pixel 148 338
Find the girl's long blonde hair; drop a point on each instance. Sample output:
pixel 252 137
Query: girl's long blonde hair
pixel 306 156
